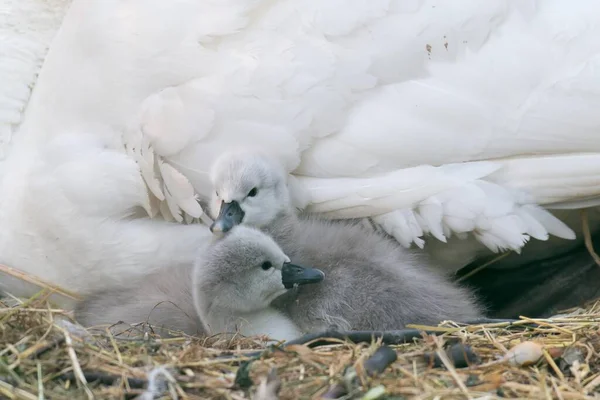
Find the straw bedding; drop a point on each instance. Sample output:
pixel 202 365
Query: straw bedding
pixel 43 354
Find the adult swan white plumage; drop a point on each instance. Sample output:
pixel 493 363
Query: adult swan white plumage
pixel 432 117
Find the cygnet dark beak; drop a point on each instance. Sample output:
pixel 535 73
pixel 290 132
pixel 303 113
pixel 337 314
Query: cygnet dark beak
pixel 292 275
pixel 230 215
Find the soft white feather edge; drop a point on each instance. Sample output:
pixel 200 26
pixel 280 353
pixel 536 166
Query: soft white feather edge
pixel 440 201
pixel 172 195
pixel 512 197
pixel 499 207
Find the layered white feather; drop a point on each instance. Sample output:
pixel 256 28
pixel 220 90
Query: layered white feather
pixel 378 108
pixel 26 30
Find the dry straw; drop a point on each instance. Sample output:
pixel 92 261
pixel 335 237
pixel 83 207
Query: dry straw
pixel 42 356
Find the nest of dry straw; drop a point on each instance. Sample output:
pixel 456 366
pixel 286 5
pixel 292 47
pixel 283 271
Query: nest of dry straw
pixel 43 355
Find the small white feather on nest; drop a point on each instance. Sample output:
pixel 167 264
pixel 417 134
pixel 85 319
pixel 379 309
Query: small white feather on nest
pixel 269 387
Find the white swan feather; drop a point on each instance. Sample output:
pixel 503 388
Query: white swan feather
pixel 441 118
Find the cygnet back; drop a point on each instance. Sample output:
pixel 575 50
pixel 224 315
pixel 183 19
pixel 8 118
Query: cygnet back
pixel 162 299
pixel 371 283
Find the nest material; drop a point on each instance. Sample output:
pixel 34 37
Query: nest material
pixel 43 355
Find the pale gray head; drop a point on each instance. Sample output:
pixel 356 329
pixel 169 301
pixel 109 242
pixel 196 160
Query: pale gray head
pixel 250 188
pixel 245 271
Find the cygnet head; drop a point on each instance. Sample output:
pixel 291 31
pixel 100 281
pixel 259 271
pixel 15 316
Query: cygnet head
pixel 250 188
pixel 245 271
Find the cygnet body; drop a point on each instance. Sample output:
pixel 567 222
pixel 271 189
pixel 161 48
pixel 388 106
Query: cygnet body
pixel 230 288
pixel 371 282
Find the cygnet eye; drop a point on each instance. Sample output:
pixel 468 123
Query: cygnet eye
pixel 217 193
pixel 266 265
pixel 253 192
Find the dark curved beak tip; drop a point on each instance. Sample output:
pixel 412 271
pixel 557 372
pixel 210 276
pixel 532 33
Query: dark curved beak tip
pixel 230 215
pixel 292 275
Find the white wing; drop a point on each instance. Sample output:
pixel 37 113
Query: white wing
pixel 26 30
pixel 379 108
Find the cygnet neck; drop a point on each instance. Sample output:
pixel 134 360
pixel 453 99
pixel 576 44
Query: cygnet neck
pixel 284 224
